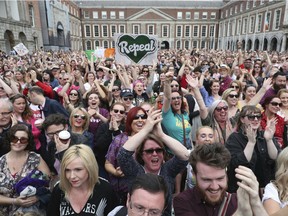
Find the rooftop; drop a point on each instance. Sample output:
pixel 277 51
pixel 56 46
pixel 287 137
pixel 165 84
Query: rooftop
pixel 151 3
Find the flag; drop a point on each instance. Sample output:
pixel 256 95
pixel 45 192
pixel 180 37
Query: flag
pixel 100 53
pixel 266 22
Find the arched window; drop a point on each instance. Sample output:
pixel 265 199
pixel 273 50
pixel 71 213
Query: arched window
pixel 88 45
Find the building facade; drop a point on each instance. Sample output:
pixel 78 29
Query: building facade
pixel 84 25
pixel 178 25
pixel 258 24
pixel 19 25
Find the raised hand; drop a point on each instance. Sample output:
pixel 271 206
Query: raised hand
pixel 154 116
pixel 193 82
pixel 251 134
pixel 270 128
pixel 267 84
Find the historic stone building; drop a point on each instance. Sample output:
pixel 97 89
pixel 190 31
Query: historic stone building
pixel 259 25
pixel 19 24
pixel 81 25
pixel 178 24
pixel 186 24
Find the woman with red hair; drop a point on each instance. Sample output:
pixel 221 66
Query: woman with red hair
pixel 136 119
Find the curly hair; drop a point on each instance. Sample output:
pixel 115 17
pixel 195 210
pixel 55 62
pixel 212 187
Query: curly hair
pixel 215 155
pixel 11 134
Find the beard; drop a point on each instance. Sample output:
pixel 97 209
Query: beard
pixel 207 199
pixel 278 87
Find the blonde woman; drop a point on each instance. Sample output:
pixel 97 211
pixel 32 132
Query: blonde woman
pixel 276 192
pixel 79 121
pixel 81 191
pixel 231 96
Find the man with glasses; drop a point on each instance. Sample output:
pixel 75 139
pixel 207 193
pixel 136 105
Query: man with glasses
pixel 147 194
pixel 52 148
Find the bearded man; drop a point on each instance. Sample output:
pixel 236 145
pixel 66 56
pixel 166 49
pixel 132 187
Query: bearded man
pixel 279 82
pixel 209 196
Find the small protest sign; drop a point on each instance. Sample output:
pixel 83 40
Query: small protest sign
pixel 21 49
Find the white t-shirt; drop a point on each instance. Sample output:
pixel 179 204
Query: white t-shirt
pixel 271 192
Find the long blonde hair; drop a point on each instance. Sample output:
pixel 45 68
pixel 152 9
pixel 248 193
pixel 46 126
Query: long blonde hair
pixel 281 176
pixel 86 154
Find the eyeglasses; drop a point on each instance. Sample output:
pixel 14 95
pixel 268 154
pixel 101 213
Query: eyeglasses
pixel 116 111
pixel 23 140
pixel 237 87
pixel 73 94
pixel 113 90
pixel 233 96
pixel 176 98
pixel 276 104
pixel 140 210
pixel 176 86
pixel 142 116
pixel 51 134
pixel 127 98
pixel 5 114
pixel 219 109
pixel 81 116
pixel 252 117
pixel 151 151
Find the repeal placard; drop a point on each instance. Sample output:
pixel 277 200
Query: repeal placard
pixel 135 49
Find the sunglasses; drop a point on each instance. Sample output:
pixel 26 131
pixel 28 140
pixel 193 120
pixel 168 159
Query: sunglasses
pixel 176 98
pixel 237 87
pixel 252 117
pixel 233 96
pixel 219 109
pixel 113 90
pixel 142 116
pixel 145 71
pixel 276 104
pixel 176 86
pixel 128 98
pixel 116 111
pixel 151 151
pixel 81 116
pixel 23 140
pixel 257 67
pixel 73 94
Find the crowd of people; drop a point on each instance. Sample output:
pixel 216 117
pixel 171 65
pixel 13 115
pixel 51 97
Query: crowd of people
pixel 81 136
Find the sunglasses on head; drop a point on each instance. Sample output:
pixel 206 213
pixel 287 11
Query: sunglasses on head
pixel 127 98
pixel 151 151
pixel 81 116
pixel 116 111
pixel 219 109
pixel 276 104
pixel 142 116
pixel 113 90
pixel 233 96
pixel 252 117
pixel 23 140
pixel 176 98
pixel 74 94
